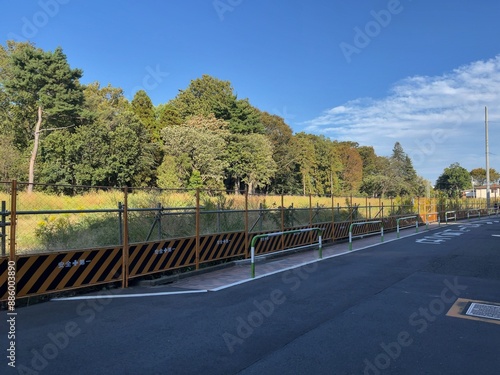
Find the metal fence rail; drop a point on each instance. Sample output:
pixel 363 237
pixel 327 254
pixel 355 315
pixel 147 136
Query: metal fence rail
pixel 369 231
pixel 407 218
pixel 92 235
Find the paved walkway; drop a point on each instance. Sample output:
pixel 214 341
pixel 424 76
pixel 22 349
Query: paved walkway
pixel 268 264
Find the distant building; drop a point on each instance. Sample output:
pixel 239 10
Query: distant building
pixel 480 191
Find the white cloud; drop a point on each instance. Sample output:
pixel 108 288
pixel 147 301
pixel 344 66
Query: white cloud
pixel 438 120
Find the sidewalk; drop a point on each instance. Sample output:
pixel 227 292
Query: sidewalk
pixel 269 264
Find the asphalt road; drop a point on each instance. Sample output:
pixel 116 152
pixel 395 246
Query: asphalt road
pixel 377 311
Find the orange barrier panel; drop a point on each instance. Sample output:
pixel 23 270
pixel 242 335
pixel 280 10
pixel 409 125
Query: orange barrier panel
pixel 45 273
pixel 151 257
pixel 3 278
pixel 222 246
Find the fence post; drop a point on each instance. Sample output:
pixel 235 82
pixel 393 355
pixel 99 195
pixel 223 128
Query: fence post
pixel 261 217
pixel 218 217
pixel 160 214
pixel 197 224
pixel 3 225
pixel 282 222
pixel 120 222
pixel 246 222
pixel 13 221
pixel 125 239
pixel 333 219
pixel 310 216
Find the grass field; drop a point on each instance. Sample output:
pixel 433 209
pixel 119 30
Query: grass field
pixel 45 230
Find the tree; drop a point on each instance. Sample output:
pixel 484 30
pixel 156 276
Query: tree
pixel 280 135
pixel 199 150
pixel 250 160
pixel 112 148
pixel 204 96
pixel 207 96
pixel 42 88
pixel 167 174
pixel 454 180
pixel 10 159
pixel 305 157
pixel 370 166
pixel 143 108
pixel 394 176
pixel 167 115
pixel 402 172
pixel 479 175
pixel 244 118
pixel 352 172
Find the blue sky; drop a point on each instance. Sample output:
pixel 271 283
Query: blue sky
pixel 375 72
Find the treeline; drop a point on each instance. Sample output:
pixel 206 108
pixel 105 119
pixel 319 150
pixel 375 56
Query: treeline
pixel 205 137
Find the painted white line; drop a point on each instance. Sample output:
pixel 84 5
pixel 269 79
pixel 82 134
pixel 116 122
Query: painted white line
pixel 264 275
pixel 138 295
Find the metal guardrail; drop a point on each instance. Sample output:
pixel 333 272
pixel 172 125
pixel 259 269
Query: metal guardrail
pixel 492 211
pixel 473 210
pixel 427 219
pixel 454 217
pixel 363 223
pixel 260 236
pixel 406 218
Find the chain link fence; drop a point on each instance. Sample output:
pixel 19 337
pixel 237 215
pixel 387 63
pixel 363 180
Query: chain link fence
pixel 58 217
pixel 158 214
pixel 64 217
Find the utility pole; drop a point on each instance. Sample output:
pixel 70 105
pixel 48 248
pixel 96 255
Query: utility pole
pixel 487 158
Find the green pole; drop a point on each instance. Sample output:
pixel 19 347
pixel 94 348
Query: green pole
pixel 350 236
pixel 255 238
pixel 253 261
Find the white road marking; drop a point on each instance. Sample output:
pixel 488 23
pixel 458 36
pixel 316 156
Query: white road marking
pixel 127 295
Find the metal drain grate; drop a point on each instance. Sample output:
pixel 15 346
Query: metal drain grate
pixel 484 311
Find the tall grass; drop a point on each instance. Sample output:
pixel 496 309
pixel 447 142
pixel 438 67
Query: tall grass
pixel 45 230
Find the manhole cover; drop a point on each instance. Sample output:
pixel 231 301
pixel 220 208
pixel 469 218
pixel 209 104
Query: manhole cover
pixel 484 311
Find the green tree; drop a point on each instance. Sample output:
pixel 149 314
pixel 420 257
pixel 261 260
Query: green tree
pixel 198 147
pixel 280 135
pixel 113 148
pixel 168 175
pixel 207 96
pixel 454 180
pixel 305 157
pixel 403 175
pixel 244 118
pixel 11 160
pixel 42 90
pixel 143 108
pixel 167 115
pixel 370 162
pixel 250 160
pixel 204 96
pixel 479 175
